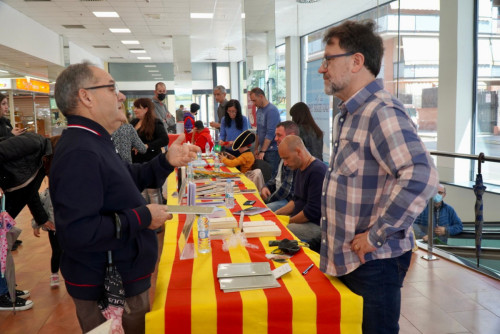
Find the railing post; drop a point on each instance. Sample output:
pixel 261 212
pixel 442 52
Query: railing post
pixel 430 232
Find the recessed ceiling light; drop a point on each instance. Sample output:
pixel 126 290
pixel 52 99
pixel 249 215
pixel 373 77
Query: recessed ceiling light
pixel 138 51
pixel 202 15
pixel 156 74
pixel 2 71
pixel 149 65
pixel 120 30
pixel 242 15
pixel 106 14
pixel 130 42
pixel 143 58
pixel 152 71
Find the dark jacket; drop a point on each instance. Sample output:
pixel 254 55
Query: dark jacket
pixel 21 158
pixel 160 139
pixel 5 128
pixel 89 183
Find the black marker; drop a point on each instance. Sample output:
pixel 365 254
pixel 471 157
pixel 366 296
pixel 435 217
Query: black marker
pixel 305 271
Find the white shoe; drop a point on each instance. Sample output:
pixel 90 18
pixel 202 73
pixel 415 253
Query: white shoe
pixel 54 280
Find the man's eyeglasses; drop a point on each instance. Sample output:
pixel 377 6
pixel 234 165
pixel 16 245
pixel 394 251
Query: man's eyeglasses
pixel 113 85
pixel 327 58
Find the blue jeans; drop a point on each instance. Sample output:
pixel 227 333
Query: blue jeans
pixel 379 282
pixel 273 158
pixel 273 206
pixel 3 286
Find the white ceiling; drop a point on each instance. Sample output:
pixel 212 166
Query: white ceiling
pixel 155 23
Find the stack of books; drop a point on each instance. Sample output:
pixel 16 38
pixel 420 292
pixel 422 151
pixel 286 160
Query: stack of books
pixel 262 228
pixel 246 276
pixel 222 227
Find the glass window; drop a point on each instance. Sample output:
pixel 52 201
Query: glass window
pixel 410 67
pixel 488 85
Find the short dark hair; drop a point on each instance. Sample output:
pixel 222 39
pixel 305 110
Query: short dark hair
pixel 257 91
pixel 160 83
pixel 68 83
pixel 2 97
pixel 199 125
pixel 291 128
pixel 359 37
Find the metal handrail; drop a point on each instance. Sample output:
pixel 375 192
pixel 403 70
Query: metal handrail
pixel 481 158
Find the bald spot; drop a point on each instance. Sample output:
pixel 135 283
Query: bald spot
pixel 291 143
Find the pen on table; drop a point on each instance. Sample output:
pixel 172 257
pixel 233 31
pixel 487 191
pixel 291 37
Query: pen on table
pixel 305 271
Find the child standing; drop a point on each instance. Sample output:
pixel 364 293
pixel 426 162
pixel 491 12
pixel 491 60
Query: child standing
pixel 50 228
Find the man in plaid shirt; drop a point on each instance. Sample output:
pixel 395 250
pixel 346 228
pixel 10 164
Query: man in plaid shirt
pixel 379 179
pixel 278 191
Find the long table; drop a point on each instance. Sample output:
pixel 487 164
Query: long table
pixel 188 298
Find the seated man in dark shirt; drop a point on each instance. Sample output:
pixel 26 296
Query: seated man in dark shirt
pixel 305 207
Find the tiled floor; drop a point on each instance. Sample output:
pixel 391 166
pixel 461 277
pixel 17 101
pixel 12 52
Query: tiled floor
pixel 437 297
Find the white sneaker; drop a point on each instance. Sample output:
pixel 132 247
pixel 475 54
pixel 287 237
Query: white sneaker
pixel 54 280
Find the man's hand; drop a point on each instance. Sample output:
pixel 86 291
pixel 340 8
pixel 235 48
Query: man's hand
pixel 159 215
pixel 265 193
pixel 49 225
pixel 260 156
pixel 179 154
pixel 36 232
pixel 440 230
pixel 361 246
pixel 215 125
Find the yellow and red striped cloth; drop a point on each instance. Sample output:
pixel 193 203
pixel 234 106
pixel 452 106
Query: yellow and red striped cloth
pixel 188 298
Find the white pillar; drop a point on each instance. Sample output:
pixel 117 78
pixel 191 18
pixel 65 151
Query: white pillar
pixel 454 119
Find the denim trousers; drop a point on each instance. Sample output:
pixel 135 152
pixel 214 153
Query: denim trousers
pixel 379 282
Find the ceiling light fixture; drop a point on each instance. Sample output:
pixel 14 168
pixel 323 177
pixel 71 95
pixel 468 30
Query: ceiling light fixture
pixel 202 15
pixel 152 71
pixel 307 1
pixel 106 14
pixel 149 65
pixel 130 42
pixel 137 51
pixel 144 58
pixel 2 71
pixel 120 30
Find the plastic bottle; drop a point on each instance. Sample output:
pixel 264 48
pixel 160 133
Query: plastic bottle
pixel 190 173
pixel 217 163
pixel 207 149
pixel 198 155
pixel 203 237
pixel 229 194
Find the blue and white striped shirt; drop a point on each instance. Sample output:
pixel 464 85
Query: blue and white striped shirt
pixel 380 178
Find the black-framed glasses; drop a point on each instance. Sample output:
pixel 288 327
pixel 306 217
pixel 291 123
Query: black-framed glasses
pixel 113 85
pixel 327 58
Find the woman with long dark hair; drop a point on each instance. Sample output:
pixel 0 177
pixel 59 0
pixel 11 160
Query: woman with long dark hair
pixel 311 134
pixel 152 133
pixel 232 125
pixel 6 128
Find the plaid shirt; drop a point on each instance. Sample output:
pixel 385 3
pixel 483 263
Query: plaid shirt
pixel 380 178
pixel 285 190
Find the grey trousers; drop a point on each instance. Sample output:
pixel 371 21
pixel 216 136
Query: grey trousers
pixel 305 231
pixel 89 316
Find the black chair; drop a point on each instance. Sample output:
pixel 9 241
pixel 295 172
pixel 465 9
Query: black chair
pixel 264 167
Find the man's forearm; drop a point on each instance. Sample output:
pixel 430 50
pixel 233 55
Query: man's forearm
pixel 299 218
pixel 265 145
pixel 286 210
